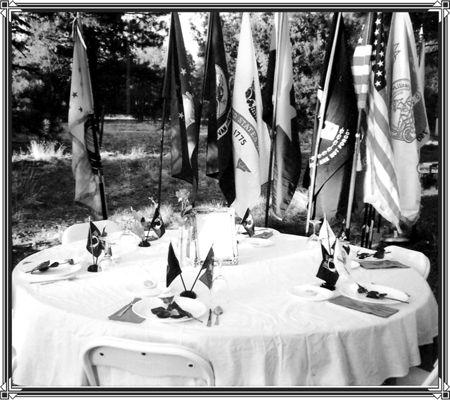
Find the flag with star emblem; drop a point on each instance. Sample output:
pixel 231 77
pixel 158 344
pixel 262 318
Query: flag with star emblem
pixel 380 180
pixel 408 119
pixel 334 158
pixel 287 158
pixel 183 108
pixel 86 162
pixel 251 141
pixel 219 157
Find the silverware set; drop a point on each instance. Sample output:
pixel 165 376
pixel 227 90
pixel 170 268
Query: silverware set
pixel 218 311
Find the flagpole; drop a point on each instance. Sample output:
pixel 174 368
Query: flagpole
pixel 321 122
pixel 101 183
pixel 274 118
pixel 356 152
pixel 161 150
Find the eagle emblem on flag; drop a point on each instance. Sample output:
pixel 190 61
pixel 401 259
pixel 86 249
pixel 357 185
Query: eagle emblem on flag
pixel 251 100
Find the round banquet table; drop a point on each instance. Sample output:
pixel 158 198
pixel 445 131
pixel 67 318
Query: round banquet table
pixel 266 337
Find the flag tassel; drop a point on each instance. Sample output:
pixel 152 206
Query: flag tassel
pixel 321 122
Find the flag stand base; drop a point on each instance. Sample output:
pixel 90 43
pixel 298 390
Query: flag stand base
pixel 144 243
pixel 189 293
pixel 94 268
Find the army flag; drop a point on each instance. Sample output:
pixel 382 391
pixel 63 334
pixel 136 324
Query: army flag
pixel 287 157
pixel 86 162
pixel 219 158
pixel 337 136
pixel 408 119
pixel 251 141
pixel 183 108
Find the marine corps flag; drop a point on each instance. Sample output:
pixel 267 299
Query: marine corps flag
pixel 334 158
pixel 408 119
pixel 219 158
pixel 251 142
pixel 86 162
pixel 287 157
pixel 183 117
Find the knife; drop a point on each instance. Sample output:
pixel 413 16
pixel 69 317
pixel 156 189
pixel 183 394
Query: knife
pixel 209 318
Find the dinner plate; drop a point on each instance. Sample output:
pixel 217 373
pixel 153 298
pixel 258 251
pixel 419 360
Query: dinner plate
pixel 259 229
pixel 257 242
pixel 60 272
pixel 143 308
pixel 311 292
pixel 350 289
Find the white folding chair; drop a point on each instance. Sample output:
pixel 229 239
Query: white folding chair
pixel 414 259
pixel 152 360
pixel 80 231
pixel 419 377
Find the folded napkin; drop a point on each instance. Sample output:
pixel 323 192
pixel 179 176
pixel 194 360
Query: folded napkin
pixel 381 264
pixel 127 316
pixel 379 310
pixel 263 235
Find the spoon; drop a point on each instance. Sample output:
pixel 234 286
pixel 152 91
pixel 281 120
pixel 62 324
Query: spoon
pixel 217 311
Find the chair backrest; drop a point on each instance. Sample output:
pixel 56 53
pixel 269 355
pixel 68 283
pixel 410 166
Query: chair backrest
pixel 432 378
pixel 80 231
pixel 414 259
pixel 145 359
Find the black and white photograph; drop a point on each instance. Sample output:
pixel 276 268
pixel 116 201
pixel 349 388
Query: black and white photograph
pixel 221 199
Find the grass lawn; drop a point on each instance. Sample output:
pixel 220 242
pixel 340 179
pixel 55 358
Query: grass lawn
pixel 42 192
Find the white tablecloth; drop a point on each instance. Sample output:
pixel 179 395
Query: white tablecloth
pixel 267 336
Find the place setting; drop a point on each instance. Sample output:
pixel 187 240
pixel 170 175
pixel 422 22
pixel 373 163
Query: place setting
pixel 166 305
pixel 338 286
pixel 249 233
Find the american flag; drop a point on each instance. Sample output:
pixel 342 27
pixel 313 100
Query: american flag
pixel 361 70
pixel 380 185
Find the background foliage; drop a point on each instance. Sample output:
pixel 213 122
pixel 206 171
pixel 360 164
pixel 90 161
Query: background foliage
pixel 127 52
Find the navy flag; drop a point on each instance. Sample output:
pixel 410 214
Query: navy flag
pixel 183 108
pixel 216 89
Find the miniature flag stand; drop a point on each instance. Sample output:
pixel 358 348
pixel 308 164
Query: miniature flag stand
pixel 156 225
pixel 95 245
pixel 327 271
pixel 173 270
pixel 248 223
